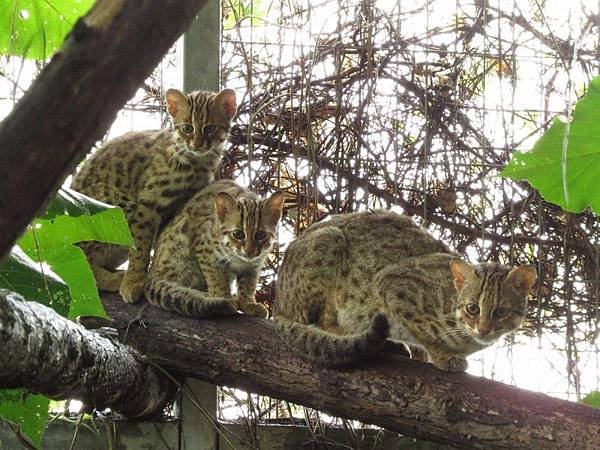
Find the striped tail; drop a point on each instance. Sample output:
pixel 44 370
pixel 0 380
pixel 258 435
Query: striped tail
pixel 331 350
pixel 189 302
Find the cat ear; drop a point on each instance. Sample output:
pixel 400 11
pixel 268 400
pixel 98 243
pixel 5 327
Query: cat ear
pixel 224 204
pixel 522 278
pixel 177 102
pixel 272 208
pixel 225 103
pixel 461 271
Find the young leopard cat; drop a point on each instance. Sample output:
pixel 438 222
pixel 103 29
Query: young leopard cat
pixel 348 284
pixel 223 233
pixel 149 174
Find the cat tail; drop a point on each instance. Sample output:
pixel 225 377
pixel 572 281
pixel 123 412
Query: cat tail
pixel 331 350
pixel 189 302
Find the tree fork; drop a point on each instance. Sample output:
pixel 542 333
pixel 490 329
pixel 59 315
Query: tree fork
pixel 48 354
pixel 396 393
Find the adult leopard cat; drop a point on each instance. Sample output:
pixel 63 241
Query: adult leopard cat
pixel 348 284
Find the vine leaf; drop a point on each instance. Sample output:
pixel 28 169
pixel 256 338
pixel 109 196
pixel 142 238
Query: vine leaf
pixel 19 273
pixel 28 411
pixel 72 218
pixel 542 168
pixel 35 29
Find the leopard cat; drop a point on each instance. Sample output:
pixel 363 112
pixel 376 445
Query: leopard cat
pixel 150 174
pixel 349 284
pixel 223 233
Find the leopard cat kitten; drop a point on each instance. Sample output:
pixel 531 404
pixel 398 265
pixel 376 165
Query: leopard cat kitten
pixel 150 174
pixel 223 233
pixel 348 284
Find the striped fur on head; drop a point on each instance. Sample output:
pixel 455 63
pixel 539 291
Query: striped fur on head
pixel 248 224
pixel 492 298
pixel 202 119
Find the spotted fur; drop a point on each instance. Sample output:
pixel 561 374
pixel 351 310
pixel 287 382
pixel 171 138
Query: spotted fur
pixel 340 277
pixel 223 234
pixel 150 174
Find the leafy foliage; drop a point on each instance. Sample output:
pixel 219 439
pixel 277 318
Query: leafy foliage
pixel 542 166
pixel 19 273
pixel 36 28
pixel 71 218
pixel 236 11
pixel 28 411
pixel 38 268
pixel 592 399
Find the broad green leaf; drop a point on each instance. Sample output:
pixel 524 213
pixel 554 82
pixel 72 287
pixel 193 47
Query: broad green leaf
pixel 592 399
pixel 28 411
pixel 35 29
pixel 19 273
pixel 72 203
pixel 542 167
pixel 51 239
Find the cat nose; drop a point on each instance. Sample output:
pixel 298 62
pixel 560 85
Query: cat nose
pixel 484 330
pixel 250 249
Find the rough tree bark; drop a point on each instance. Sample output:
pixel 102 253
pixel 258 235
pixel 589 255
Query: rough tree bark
pixel 398 394
pixel 73 101
pixel 46 353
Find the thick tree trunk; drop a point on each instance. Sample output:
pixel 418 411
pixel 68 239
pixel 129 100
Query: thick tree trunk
pixel 72 103
pixel 398 394
pixel 46 353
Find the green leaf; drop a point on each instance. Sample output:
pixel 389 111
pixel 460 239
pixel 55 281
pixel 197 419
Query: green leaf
pixel 21 274
pixel 72 203
pixel 592 399
pixel 542 166
pixel 28 411
pixel 36 28
pixel 51 238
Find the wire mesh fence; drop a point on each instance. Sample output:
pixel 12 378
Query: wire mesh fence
pixel 412 106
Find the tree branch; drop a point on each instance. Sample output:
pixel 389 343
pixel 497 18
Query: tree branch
pixel 398 394
pixel 46 353
pixel 74 100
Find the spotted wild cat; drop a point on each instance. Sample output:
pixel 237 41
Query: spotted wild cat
pixel 223 233
pixel 150 174
pixel 348 284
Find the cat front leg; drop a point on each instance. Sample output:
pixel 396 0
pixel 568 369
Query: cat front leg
pixel 246 295
pixel 144 226
pixel 218 281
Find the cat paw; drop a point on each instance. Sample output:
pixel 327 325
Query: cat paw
pixel 132 287
pixel 451 364
pixel 255 309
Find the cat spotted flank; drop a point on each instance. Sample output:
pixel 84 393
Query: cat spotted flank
pixel 349 284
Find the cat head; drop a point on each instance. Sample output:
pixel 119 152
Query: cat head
pixel 249 224
pixel 492 298
pixel 202 119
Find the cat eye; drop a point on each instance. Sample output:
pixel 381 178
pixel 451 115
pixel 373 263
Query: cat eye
pixel 187 128
pixel 239 235
pixel 260 235
pixel 208 130
pixel 472 308
pixel 500 312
